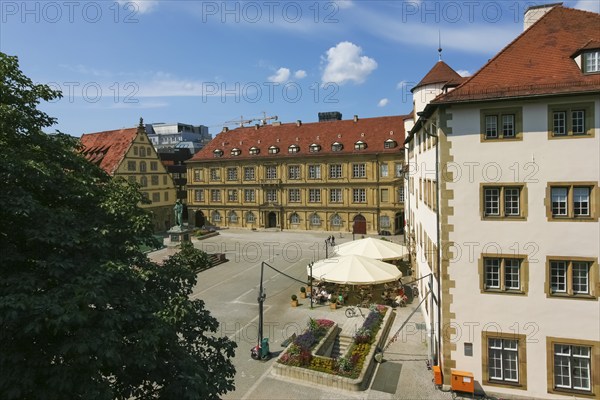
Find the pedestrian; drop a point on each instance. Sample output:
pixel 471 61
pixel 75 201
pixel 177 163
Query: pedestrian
pixel 332 240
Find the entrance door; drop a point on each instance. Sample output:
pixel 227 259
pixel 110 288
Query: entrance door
pixel 200 220
pixel 360 225
pixel 272 220
pixel 399 223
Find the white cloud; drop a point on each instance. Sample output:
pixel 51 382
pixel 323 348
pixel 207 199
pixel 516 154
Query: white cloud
pixel 282 75
pixel 300 74
pixel 345 63
pixel 588 5
pixel 464 73
pixel 343 4
pixel 383 102
pixel 140 6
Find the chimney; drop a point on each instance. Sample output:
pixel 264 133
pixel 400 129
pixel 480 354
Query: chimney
pixel 534 13
pixel 225 129
pixel 256 127
pixel 356 118
pixel 298 123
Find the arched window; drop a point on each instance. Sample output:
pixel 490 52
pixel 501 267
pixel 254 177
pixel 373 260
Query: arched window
pixel 143 181
pixel 250 218
pixel 389 144
pixel 314 148
pixel 294 218
pixel 233 216
pixel 293 149
pixel 336 220
pixel 143 167
pixel 315 219
pixel 216 216
pixel 360 145
pixel 142 151
pixel 337 146
pixel 254 150
pixel 236 152
pixel 273 150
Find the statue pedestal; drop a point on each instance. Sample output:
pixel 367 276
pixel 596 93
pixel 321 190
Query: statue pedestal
pixel 178 235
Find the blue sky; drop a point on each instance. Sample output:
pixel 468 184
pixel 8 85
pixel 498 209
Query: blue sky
pixel 209 62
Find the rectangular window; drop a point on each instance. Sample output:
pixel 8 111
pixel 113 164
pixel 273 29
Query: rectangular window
pixel 359 170
pixel 232 195
pixel 503 360
pixel 294 195
pixel 155 197
pixel 591 61
pixel 578 122
pixel 215 195
pixel 154 180
pixel 335 171
pixel 271 172
pixel 571 277
pixel 359 195
pixel 130 165
pixel 232 174
pixel 498 124
pixel 569 201
pixel 271 195
pixel 398 170
pixel 570 120
pixel 559 119
pixel 400 194
pixel 384 170
pixel 314 172
pixel 503 274
pixel 249 195
pixel 572 367
pixel 199 195
pixel 249 174
pixel 215 174
pixel 198 175
pixel 335 196
pixel 314 195
pixel 385 195
pixel 153 166
pixel 294 172
pixel 499 201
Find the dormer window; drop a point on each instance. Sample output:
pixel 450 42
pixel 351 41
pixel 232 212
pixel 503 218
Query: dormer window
pixel 293 149
pixel 273 150
pixel 236 152
pixel 337 146
pixel 591 61
pixel 218 153
pixel 389 144
pixel 360 145
pixel 315 148
pixel 254 150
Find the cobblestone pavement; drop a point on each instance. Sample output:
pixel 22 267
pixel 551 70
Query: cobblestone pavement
pixel 230 293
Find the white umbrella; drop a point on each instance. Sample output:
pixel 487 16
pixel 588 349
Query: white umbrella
pixel 373 248
pixel 354 270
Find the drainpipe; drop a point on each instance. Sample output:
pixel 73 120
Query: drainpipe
pixel 377 197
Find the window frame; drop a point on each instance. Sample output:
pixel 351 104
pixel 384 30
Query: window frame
pixel 250 217
pixel 296 197
pixel 314 195
pixel 273 150
pixel 232 195
pixel 314 148
pixel 199 196
pixel 360 145
pixel 499 115
pixel 595 53
pixel 314 171
pixel 232 174
pixel 588 109
pixel 593 278
pixel 215 174
pixel 270 172
pixel 271 196
pixel 501 288
pixel 338 169
pixel 293 149
pixel 336 220
pixel 390 144
pixel 249 196
pixel 360 194
pixel 337 147
pixel 247 173
pixel 215 195
pixel 521 361
pixel 502 189
pixel 359 170
pixel 338 197
pixel 571 187
pixel 594 366
pixel 315 219
pixel 294 218
pixel 297 173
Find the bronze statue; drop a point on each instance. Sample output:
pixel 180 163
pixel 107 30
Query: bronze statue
pixel 178 213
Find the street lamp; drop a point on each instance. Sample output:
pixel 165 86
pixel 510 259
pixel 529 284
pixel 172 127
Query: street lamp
pixel 310 283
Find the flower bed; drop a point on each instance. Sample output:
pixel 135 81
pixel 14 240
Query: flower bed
pixel 348 372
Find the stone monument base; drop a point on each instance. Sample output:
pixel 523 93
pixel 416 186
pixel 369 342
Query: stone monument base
pixel 178 235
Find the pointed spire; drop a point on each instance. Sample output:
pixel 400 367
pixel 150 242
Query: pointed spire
pixel 141 125
pixel 440 45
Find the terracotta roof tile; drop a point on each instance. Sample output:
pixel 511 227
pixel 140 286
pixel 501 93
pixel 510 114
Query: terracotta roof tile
pixel 373 131
pixel 440 73
pixel 537 62
pixel 107 149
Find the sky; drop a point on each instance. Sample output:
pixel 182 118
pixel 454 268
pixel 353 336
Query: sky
pixel 217 62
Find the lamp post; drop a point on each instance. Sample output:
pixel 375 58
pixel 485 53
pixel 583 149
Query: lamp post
pixel 310 283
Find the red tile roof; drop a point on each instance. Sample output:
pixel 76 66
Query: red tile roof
pixel 107 149
pixel 373 131
pixel 537 62
pixel 440 73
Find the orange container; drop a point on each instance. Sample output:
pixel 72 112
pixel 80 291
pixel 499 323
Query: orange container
pixel 463 381
pixel 437 375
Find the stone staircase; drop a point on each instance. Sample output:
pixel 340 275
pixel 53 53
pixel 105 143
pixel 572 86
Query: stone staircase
pixel 340 346
pixel 216 259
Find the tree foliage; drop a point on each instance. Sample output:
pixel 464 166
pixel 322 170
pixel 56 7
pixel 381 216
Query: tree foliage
pixel 83 313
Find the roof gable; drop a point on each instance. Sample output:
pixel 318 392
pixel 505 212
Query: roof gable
pixel 372 131
pixel 537 62
pixel 440 73
pixel 108 149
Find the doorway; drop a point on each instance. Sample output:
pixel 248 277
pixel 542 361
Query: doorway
pixel 360 225
pixel 272 220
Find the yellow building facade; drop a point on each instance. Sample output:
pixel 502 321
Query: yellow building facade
pixel 129 154
pixel 338 175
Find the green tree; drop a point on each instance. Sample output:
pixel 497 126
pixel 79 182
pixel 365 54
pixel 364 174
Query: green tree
pixel 83 313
